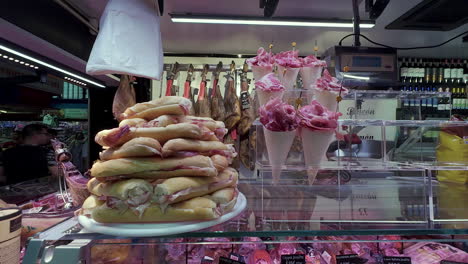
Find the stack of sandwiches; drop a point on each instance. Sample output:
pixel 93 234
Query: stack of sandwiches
pixel 161 165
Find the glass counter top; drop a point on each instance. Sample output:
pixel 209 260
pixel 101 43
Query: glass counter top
pixel 367 204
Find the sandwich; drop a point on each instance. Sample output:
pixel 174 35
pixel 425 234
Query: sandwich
pixel 155 168
pixel 138 193
pixel 179 146
pixel 136 147
pixel 119 136
pixel 168 105
pixel 199 208
pixel 217 127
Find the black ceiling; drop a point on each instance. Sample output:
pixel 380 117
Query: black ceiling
pixel 49 21
pixel 433 15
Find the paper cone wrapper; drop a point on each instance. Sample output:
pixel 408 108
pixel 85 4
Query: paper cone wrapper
pixel 315 145
pixel 288 76
pixel 260 71
pixel 310 75
pixel 327 99
pixel 278 145
pixel 265 96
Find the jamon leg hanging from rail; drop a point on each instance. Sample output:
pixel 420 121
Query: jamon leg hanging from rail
pixel 247 118
pixel 203 107
pixel 247 114
pixel 170 88
pixel 231 101
pixel 124 97
pixel 188 89
pixel 217 103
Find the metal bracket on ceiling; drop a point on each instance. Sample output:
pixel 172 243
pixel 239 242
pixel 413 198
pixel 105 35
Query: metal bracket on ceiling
pixel 269 7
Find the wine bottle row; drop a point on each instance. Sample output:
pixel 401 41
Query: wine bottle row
pixel 433 71
pixel 439 104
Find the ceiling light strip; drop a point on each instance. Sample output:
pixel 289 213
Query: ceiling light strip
pixel 49 65
pixel 268 22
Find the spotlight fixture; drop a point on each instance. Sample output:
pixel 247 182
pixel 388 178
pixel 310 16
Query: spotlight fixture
pixel 46 64
pixel 262 21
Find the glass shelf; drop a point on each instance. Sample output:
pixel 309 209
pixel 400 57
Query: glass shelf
pixel 363 206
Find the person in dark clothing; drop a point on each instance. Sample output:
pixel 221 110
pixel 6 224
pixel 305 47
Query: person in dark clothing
pixel 29 160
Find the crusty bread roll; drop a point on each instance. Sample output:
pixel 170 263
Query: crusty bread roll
pixel 168 105
pixel 118 136
pixel 136 147
pixel 132 122
pixel 198 208
pixel 220 162
pixel 154 167
pixel 136 192
pixel 178 189
pixel 226 198
pixel 207 148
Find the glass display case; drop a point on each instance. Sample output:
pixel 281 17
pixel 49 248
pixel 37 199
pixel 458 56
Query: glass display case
pixel 396 193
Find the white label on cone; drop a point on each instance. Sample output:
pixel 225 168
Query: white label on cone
pixel 278 145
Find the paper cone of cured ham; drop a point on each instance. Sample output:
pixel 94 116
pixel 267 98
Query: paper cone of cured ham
pixel 262 64
pixel 288 76
pixel 279 127
pixel 289 65
pixel 268 87
pixel 311 71
pixel 260 71
pixel 327 90
pixel 278 146
pixel 316 128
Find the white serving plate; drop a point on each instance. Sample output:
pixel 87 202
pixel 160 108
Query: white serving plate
pixel 159 229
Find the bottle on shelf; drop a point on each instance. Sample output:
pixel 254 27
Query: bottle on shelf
pixel 453 71
pixel 459 71
pixel 465 72
pixel 424 109
pixel 441 71
pixel 403 71
pixel 448 103
pixel 455 103
pixel 447 72
pixel 428 71
pixel 411 71
pixel 421 70
pixel 435 70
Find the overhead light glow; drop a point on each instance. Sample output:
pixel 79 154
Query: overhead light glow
pixel 16 60
pixel 5 56
pixel 49 65
pixel 21 62
pixel 27 64
pixel 356 77
pixel 239 55
pixel 11 58
pixel 36 67
pixel 268 22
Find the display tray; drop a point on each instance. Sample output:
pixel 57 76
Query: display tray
pixel 159 229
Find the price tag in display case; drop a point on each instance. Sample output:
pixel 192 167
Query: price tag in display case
pixel 224 260
pixel 293 259
pixel 349 259
pixel 397 260
pixel 451 262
